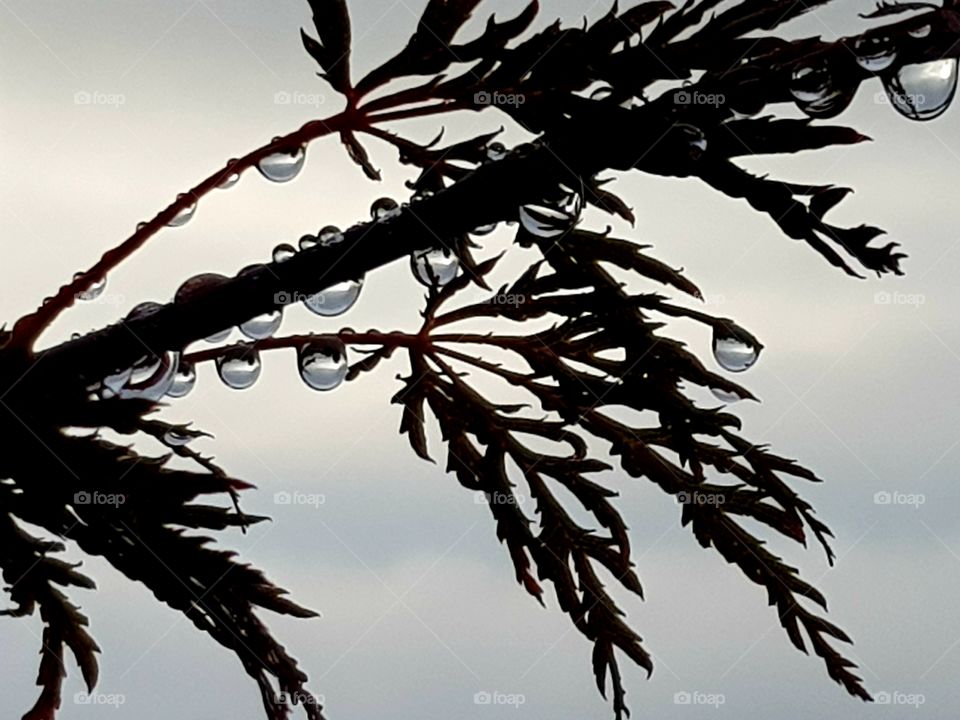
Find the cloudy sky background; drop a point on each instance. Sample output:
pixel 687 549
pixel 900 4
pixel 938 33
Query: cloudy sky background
pixel 420 609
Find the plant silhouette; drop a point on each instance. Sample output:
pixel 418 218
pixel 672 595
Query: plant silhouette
pixel 678 92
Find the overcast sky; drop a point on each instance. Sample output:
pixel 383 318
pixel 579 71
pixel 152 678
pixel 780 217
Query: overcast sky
pixel 420 608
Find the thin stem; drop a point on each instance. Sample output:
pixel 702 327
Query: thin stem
pixel 29 328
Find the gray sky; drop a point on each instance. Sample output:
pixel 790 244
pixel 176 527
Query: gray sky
pixel 420 609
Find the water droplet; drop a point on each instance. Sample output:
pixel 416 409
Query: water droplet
pixel 554 215
pixel 92 292
pixel 239 368
pixel 262 326
pixel 282 166
pixel 151 377
pixel 323 363
pixel 143 309
pixel 874 53
pixel 496 151
pixel 422 195
pixel 602 93
pixel 307 241
pixel 484 230
pixel 184 215
pixel 231 178
pixel 919 32
pixel 384 209
pixel 283 252
pixel 197 286
pixel 725 397
pixel 813 88
pixel 696 140
pixel 113 384
pixel 219 337
pixel 175 437
pixel 435 267
pixel 183 381
pixel 732 353
pixel 923 91
pixel 330 235
pixel 336 299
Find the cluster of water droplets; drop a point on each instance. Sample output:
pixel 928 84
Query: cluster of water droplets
pixel 918 91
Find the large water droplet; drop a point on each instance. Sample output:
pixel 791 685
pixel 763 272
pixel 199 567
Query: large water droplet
pixel 283 252
pixel 875 53
pixel 384 209
pixel 923 91
pixel 554 215
pixel 197 286
pixel 239 368
pixel 336 299
pixel 184 215
pixel 732 353
pixel 323 364
pixel 435 267
pixel 113 384
pixel 813 88
pixel 282 166
pixel 307 241
pixel 92 292
pixel 184 381
pixel 262 326
pixel 152 377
